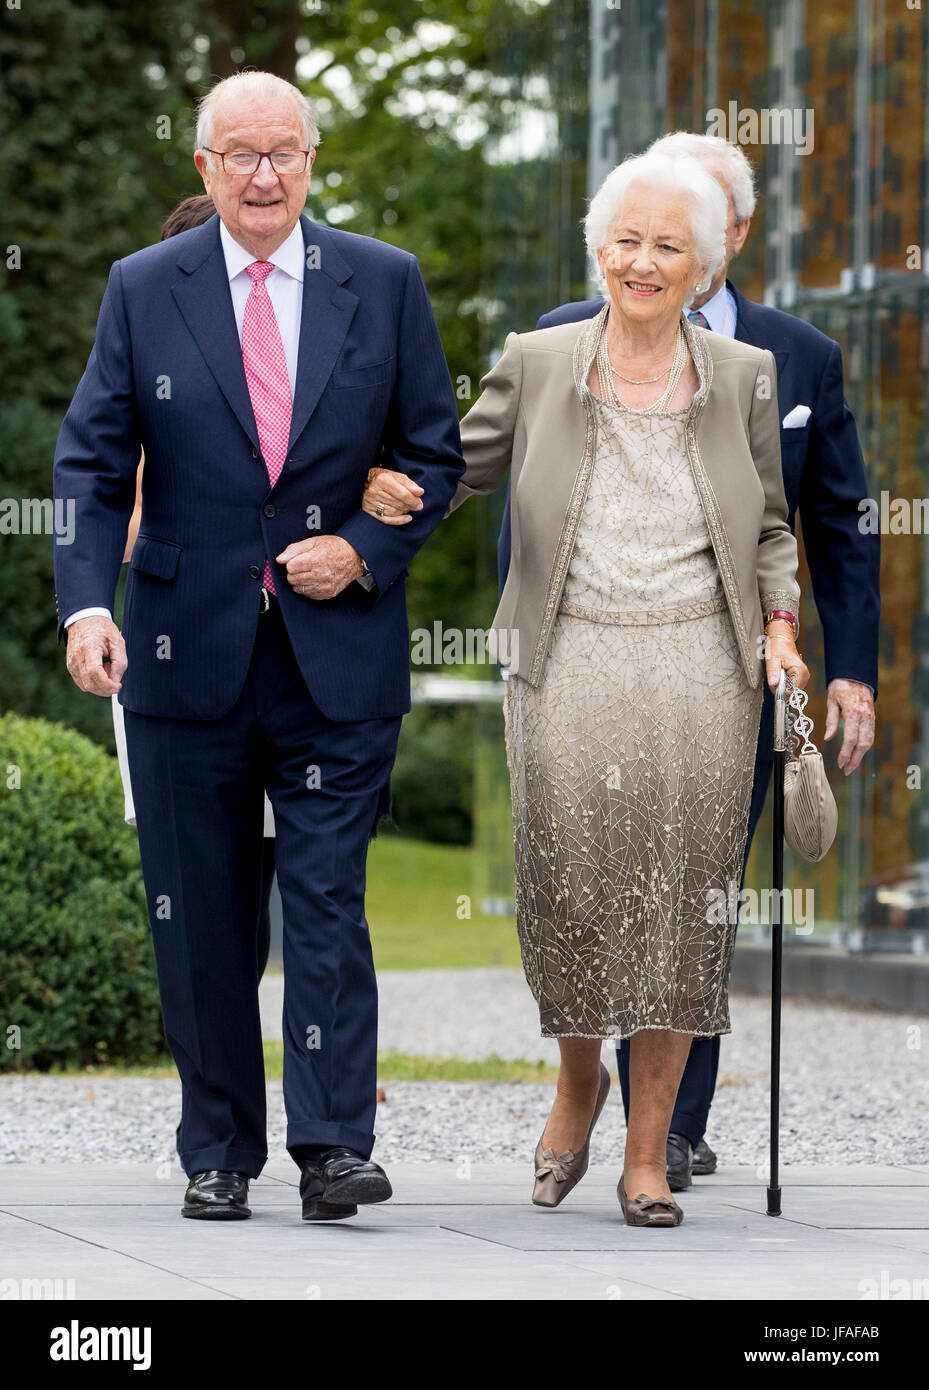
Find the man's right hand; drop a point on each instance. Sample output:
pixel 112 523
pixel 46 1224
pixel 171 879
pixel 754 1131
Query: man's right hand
pixel 91 642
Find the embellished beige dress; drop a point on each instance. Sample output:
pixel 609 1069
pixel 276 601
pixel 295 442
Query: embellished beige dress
pixel 632 761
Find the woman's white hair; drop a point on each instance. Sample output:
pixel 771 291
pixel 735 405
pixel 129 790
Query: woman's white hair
pixel 715 153
pixel 700 194
pixel 254 84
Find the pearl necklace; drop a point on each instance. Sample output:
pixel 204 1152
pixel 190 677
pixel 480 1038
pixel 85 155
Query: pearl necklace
pixel 635 381
pixel 605 371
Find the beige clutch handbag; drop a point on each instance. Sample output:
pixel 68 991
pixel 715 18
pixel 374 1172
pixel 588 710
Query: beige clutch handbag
pixel 810 813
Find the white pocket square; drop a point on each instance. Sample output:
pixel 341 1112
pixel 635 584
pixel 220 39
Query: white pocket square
pixel 797 418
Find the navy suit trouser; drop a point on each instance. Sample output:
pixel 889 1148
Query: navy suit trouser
pixel 198 790
pixel 698 1083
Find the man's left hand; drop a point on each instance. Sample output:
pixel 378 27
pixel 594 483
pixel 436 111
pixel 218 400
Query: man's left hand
pixel 854 704
pixel 320 567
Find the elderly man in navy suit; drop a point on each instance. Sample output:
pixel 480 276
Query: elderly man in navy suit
pixel 824 479
pixel 263 362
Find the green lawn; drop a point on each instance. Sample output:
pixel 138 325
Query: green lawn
pixel 391 1066
pixel 417 903
pixel 414 905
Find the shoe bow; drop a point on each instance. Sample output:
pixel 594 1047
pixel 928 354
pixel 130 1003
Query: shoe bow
pixel 555 1166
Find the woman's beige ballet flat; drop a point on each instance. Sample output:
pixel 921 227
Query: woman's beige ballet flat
pixel 556 1177
pixel 649 1211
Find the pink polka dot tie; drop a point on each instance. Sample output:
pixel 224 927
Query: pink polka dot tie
pixel 268 382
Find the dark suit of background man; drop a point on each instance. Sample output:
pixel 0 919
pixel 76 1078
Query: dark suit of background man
pixel 264 362
pixel 824 478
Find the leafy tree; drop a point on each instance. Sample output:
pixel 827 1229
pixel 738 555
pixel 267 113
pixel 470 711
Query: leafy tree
pixel 417 101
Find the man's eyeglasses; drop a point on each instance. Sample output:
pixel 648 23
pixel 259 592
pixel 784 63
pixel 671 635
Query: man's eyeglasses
pixel 248 161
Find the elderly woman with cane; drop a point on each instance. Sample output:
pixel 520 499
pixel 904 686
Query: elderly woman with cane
pixel 652 586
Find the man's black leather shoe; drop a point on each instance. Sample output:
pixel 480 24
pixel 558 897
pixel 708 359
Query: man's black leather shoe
pixel 704 1160
pixel 680 1162
pixel 336 1183
pixel 216 1195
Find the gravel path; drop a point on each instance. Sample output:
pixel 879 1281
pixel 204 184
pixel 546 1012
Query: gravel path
pixel 445 1013
pixel 856 1087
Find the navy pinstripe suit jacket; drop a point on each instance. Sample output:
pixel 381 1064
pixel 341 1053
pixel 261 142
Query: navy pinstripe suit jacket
pixel 166 375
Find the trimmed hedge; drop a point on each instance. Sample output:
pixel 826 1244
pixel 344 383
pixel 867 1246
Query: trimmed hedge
pixel 77 969
pixel 432 781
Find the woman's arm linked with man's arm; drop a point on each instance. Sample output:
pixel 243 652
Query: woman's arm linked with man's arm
pixel 486 441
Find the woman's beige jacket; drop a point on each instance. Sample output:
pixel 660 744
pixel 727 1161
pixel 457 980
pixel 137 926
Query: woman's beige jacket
pixel 536 416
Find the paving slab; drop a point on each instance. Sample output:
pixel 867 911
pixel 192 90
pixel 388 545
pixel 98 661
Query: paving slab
pixel 465 1233
pixel 851 1208
pixel 848 1275
pixel 707 1226
pixel 907 1238
pixel 46 1262
pixel 827 1175
pixel 476 1282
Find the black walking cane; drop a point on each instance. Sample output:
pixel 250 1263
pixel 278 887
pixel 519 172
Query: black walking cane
pixel 777 940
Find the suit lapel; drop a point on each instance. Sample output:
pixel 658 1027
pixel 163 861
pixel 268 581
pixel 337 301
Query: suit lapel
pixel 202 295
pixel 745 330
pixel 203 298
pixel 742 314
pixel 327 311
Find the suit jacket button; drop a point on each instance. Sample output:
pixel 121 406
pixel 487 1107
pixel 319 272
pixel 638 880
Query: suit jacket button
pixel 254 571
pixel 256 454
pixel 269 509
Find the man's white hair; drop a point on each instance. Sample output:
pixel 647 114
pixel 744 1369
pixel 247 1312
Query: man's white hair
pixel 715 153
pixel 266 85
pixel 700 195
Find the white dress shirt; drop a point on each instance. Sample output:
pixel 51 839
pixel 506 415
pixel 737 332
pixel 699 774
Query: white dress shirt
pixel 285 289
pixel 720 312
